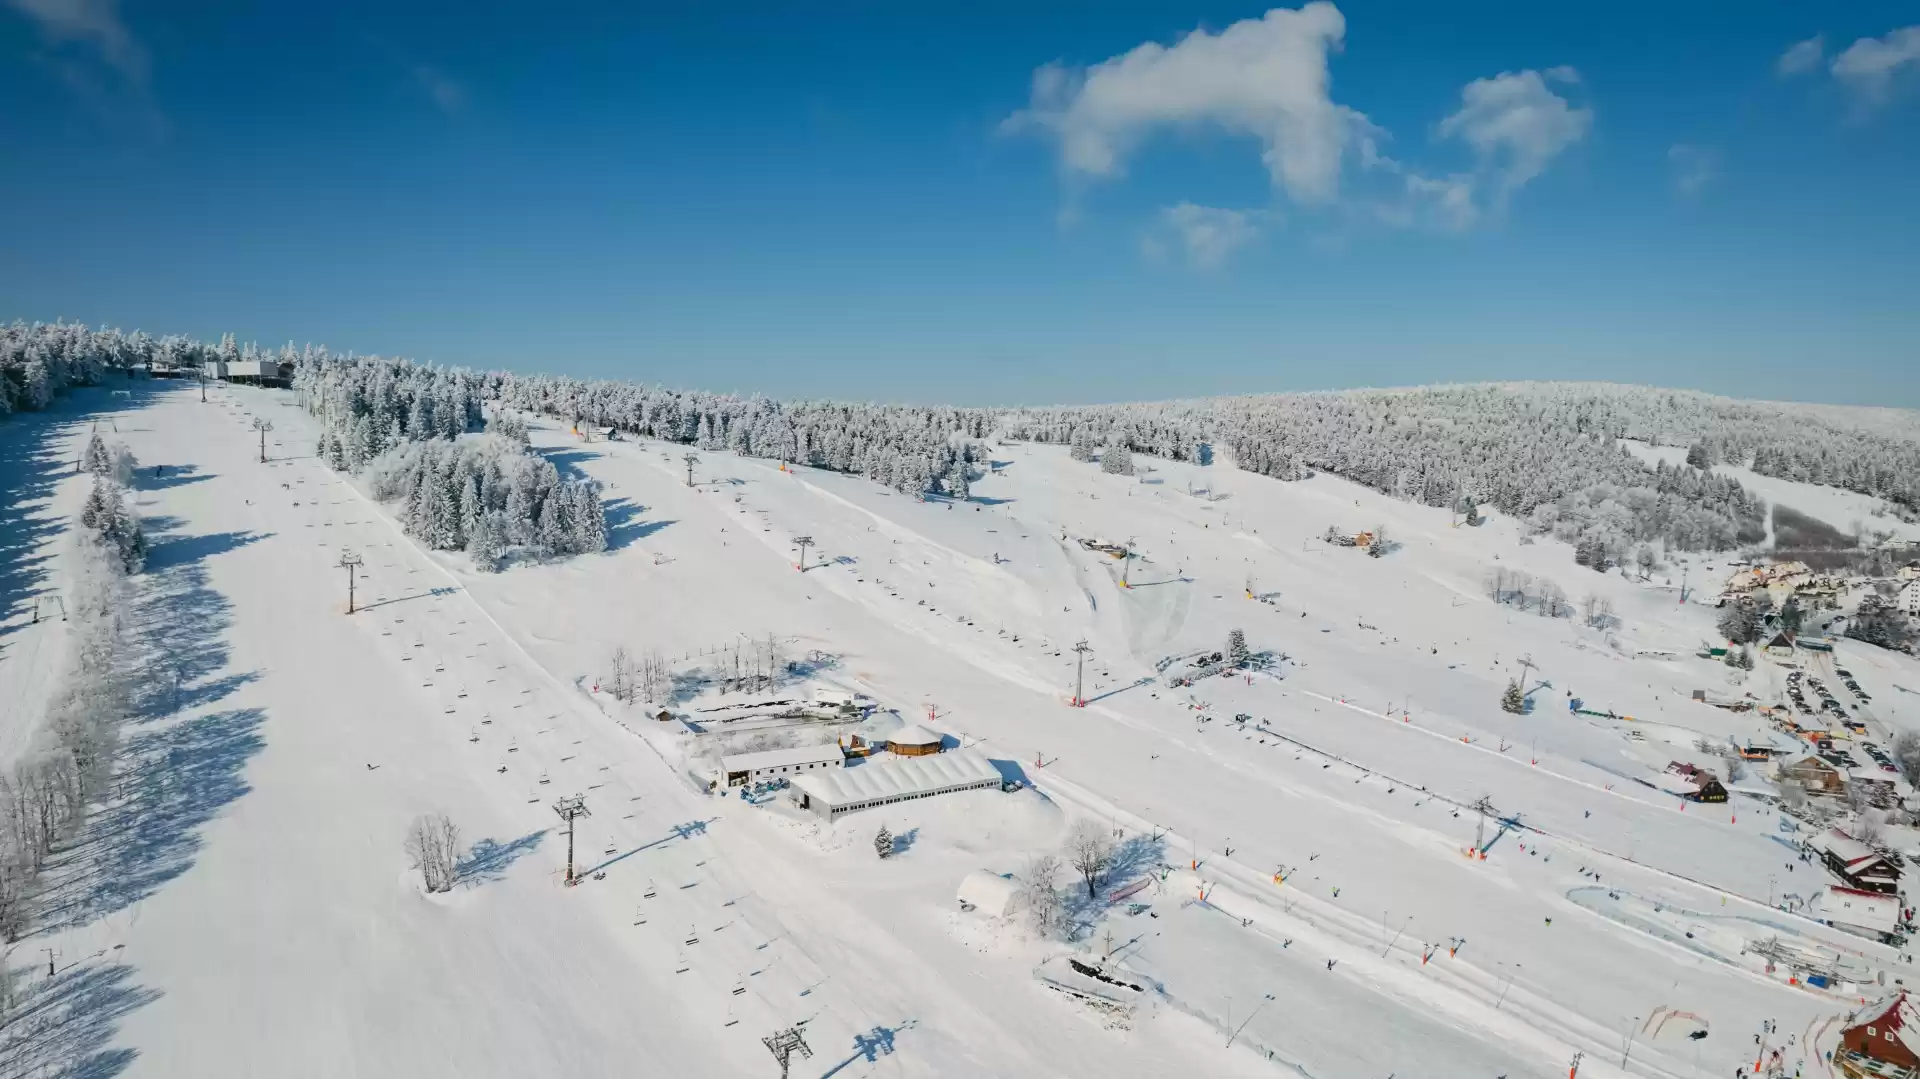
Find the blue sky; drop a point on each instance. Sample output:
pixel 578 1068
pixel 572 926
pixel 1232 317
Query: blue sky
pixel 988 203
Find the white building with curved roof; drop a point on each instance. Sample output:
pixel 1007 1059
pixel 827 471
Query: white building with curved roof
pixel 886 780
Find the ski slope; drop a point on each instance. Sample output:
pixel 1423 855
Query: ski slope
pixel 258 917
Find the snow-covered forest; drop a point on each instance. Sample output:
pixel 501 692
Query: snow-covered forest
pixel 909 448
pixel 1548 452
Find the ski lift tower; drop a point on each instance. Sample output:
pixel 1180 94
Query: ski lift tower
pixel 1485 808
pixel 784 1044
pixel 571 809
pixel 691 459
pixel 803 542
pixel 1080 650
pixel 262 426
pixel 350 562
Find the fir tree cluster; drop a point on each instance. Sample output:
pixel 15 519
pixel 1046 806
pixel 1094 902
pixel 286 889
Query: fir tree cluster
pixel 918 450
pixel 489 496
pixel 106 515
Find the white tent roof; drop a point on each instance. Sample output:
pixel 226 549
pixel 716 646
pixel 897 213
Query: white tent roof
pixel 781 758
pixel 914 734
pixel 989 894
pixel 877 778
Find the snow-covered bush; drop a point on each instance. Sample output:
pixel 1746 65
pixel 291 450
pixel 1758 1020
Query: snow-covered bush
pixel 111 522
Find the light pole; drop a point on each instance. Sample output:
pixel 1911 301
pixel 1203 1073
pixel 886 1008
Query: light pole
pixel 262 426
pixel 571 809
pixel 804 542
pixel 351 563
pixel 1628 1054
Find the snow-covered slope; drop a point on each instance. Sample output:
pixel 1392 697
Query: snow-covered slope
pixel 1308 896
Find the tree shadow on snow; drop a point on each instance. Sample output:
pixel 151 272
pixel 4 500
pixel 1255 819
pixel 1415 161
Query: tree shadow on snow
pixel 187 621
pixel 568 462
pixel 489 859
pixel 623 524
pixel 173 779
pixel 1132 856
pixel 62 1025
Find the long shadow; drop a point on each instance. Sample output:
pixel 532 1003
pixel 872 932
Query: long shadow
pixel 623 524
pixel 568 462
pixel 489 858
pixel 64 1024
pixel 870 1046
pixel 1121 689
pixel 680 831
pixel 428 594
pixel 175 779
pixel 174 551
pixel 185 621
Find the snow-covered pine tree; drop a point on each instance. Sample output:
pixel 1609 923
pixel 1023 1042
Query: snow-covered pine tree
pixel 1080 445
pixel 1513 700
pixel 1237 653
pixel 1737 624
pixel 883 842
pixel 1116 459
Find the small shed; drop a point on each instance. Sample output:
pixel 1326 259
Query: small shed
pixel 914 740
pixel 990 895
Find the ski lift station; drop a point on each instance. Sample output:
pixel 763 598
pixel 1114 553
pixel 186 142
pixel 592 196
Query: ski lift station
pixel 883 781
pixel 743 769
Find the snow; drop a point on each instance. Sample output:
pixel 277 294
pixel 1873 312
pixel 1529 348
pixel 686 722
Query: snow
pixel 990 895
pixel 265 922
pixel 796 757
pixel 889 779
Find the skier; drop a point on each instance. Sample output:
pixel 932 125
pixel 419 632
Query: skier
pixel 1331 962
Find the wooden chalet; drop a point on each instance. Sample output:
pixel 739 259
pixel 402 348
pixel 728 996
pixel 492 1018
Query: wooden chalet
pixel 1700 784
pixel 1814 775
pixel 1881 1039
pixel 1856 864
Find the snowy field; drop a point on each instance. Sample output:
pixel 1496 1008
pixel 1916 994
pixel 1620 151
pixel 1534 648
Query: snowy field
pixel 1305 906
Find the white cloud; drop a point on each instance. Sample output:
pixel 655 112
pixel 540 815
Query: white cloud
pixel 92 22
pixel 1693 167
pixel 1869 65
pixel 1264 77
pixel 1802 56
pixel 1517 123
pixel 1208 234
pixel 1448 202
pixel 446 92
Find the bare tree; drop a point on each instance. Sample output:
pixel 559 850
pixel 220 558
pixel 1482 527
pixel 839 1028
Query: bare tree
pixel 620 679
pixel 1792 794
pixel 1869 826
pixel 1042 899
pixel 1089 851
pixel 433 846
